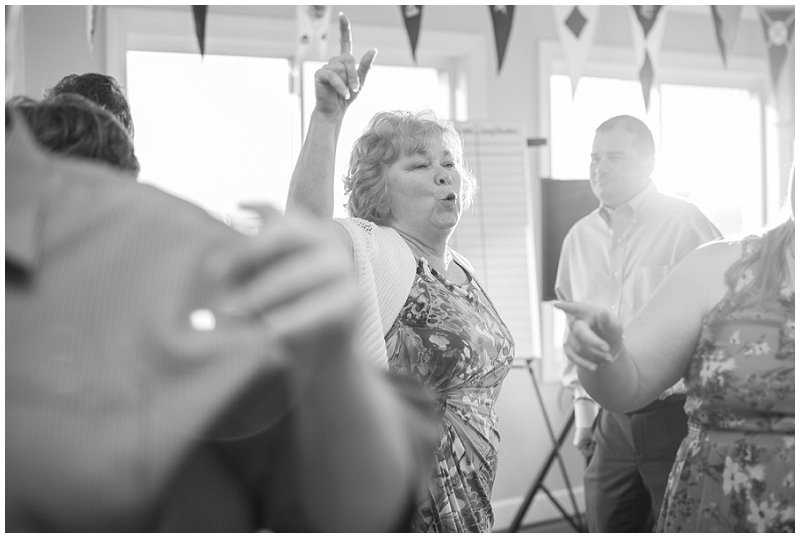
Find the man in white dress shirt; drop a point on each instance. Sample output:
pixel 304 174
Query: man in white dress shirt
pixel 615 257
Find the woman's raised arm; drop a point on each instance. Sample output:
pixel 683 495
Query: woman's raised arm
pixel 336 85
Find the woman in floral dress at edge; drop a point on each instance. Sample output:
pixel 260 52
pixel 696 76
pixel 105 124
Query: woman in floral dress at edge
pixel 724 320
pixel 425 314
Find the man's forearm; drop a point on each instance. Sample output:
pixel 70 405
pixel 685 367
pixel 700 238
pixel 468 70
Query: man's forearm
pixel 586 411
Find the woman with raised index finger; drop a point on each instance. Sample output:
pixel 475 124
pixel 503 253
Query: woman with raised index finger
pixel 426 315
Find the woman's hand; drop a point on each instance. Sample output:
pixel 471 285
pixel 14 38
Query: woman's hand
pixel 595 335
pixel 338 82
pixel 336 86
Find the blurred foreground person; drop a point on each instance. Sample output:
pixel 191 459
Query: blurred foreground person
pixel 724 321
pixel 73 125
pixel 165 373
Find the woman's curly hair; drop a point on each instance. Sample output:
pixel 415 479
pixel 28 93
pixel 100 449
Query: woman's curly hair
pixel 387 137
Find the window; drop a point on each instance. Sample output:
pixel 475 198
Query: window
pixel 719 177
pixel 226 129
pixel 206 130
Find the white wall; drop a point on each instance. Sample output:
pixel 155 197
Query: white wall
pixel 54 44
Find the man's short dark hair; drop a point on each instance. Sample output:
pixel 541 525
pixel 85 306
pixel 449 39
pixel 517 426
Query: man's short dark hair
pixel 101 89
pixel 73 125
pixel 646 146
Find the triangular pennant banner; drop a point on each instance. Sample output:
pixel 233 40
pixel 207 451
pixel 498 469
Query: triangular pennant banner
pixel 576 28
pixel 575 21
pixel 200 26
pixel 648 34
pixel 412 17
pixel 646 79
pixel 313 28
pixel 778 25
pixel 726 25
pixel 646 15
pixel 502 16
pixel 91 26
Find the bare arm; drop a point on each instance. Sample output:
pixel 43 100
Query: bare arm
pixel 335 85
pixel 659 340
pixel 311 187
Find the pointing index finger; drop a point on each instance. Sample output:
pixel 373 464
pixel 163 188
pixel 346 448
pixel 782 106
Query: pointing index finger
pixel 345 39
pixel 572 309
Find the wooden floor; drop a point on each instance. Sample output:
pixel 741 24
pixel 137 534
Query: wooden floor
pixel 556 525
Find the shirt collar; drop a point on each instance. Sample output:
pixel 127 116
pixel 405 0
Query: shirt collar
pixel 29 180
pixel 635 205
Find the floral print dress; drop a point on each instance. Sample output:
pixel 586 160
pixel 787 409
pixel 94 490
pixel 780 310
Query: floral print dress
pixel 734 472
pixel 451 339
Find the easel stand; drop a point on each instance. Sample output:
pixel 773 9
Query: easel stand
pixel 575 520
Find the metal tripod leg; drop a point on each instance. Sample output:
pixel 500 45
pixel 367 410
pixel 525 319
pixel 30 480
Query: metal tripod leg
pixel 576 521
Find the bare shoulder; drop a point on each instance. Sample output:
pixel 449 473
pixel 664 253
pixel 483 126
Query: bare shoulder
pixel 713 258
pixel 702 272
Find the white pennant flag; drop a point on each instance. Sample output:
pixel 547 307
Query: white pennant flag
pixel 655 37
pixel 91 26
pixel 778 26
pixel 648 35
pixel 576 28
pixel 313 27
pixel 726 26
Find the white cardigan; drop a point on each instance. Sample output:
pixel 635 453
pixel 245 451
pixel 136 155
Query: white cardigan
pixel 385 269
